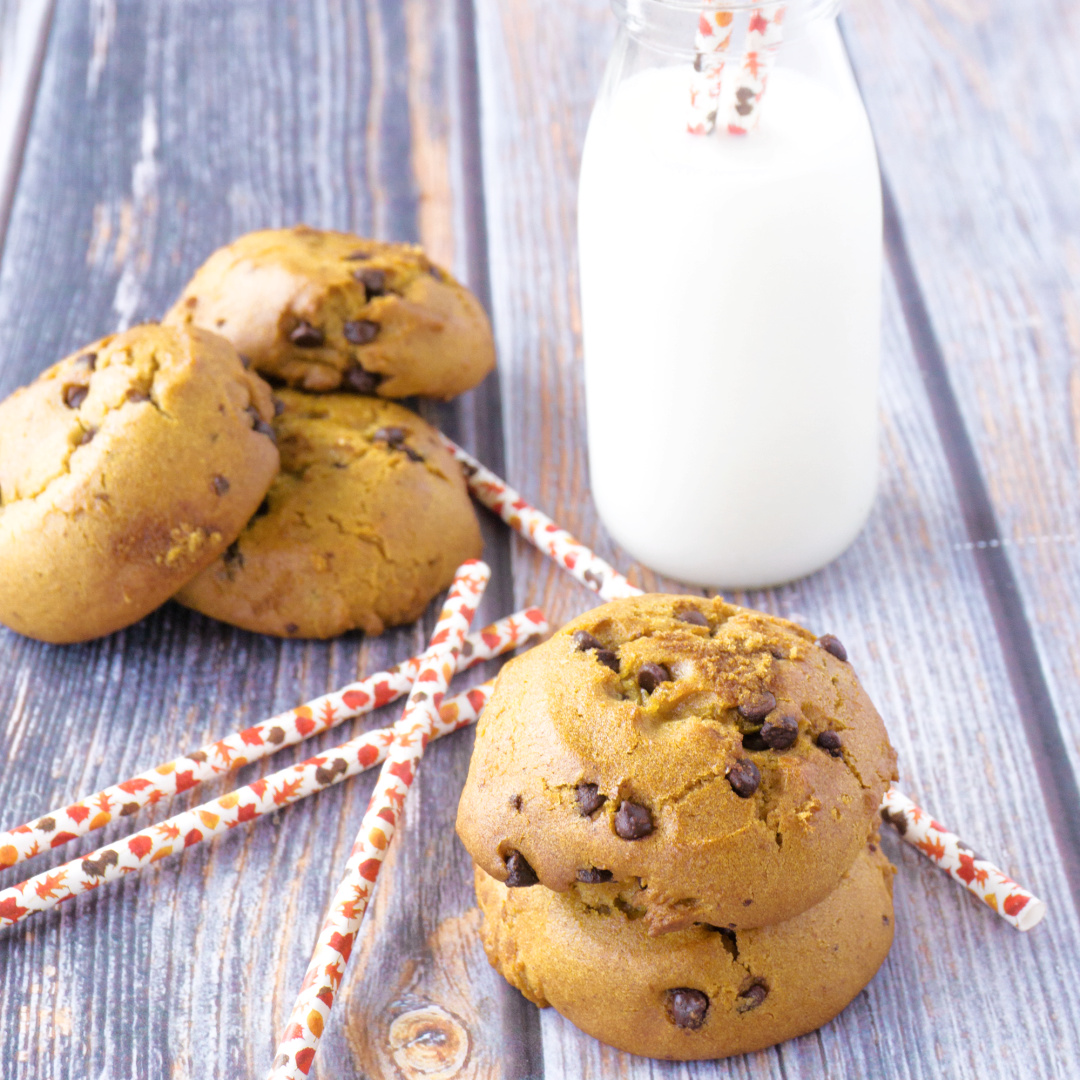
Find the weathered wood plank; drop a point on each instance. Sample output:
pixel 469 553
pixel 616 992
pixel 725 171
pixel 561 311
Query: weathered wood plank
pixel 160 131
pixel 909 606
pixel 976 111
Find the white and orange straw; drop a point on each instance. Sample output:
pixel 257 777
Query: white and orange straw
pixel 411 734
pixel 764 36
pixel 711 44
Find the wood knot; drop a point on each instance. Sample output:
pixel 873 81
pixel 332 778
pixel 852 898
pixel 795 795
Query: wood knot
pixel 429 1042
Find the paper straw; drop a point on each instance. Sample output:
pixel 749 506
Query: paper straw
pixel 1011 901
pixel 248 803
pixel 536 527
pixel 417 725
pixel 711 43
pixel 945 849
pixel 254 743
pixel 763 39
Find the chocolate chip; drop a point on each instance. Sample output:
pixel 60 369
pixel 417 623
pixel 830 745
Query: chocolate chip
pixel 757 707
pixel 632 822
pixel 584 641
pixel 753 742
pixel 360 331
pixel 687 1008
pixel 75 395
pixel 87 435
pixel 829 741
pixel 692 616
pixel 137 395
pixel 360 381
pixel 374 281
pixel 608 659
pixel 751 998
pixel 233 558
pixel 291 628
pixel 358 255
pixel 264 508
pixel 259 424
pixel 780 734
pixel 589 799
pixel 594 876
pixel 412 454
pixel 395 436
pixel 88 360
pixel 305 336
pixel 516 802
pixel 650 676
pixel 279 406
pixel 832 644
pixel 219 484
pixel 744 778
pixel 519 874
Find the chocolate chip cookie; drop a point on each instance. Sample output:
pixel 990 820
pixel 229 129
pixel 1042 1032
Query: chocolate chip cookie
pixel 365 524
pixel 723 757
pixel 326 311
pixel 124 470
pixel 699 992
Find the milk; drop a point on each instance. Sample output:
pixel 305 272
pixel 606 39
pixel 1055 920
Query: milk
pixel 731 309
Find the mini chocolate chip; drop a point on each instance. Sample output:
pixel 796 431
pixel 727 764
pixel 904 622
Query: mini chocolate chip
pixel 589 799
pixel 516 802
pixel 374 281
pixel 395 436
pixel 137 395
pixel 360 331
pixel 829 741
pixel 780 734
pixel 608 659
pixel 264 508
pixel 632 822
pixel 692 616
pixel 219 484
pixel 519 874
pixel 259 424
pixel 650 676
pixel 758 707
pixel 752 998
pixel 594 876
pixel 584 641
pixel 233 558
pixel 356 255
pixel 88 360
pixel 291 628
pixel 305 336
pixel 279 406
pixel 753 742
pixel 687 1008
pixel 832 644
pixel 75 395
pixel 744 778
pixel 412 454
pixel 87 435
pixel 360 381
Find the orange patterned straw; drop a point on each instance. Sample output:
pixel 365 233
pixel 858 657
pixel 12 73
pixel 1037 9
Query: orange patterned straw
pixel 983 879
pixel 1009 899
pixel 711 43
pixel 411 734
pixel 58 827
pixel 265 796
pixel 764 36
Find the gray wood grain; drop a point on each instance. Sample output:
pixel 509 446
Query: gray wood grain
pixel 961 995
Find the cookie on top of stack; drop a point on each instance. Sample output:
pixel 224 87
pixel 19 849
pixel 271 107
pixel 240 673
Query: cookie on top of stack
pixel 672 807
pixel 147 465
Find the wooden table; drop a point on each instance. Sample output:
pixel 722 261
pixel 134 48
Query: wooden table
pixel 137 135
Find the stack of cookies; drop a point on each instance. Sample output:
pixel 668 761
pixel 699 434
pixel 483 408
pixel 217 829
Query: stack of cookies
pixel 672 808
pixel 157 463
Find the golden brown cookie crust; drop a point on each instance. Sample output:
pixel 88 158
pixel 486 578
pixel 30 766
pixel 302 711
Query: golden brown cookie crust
pixel 587 953
pixel 561 719
pixel 323 311
pixel 366 523
pixel 124 470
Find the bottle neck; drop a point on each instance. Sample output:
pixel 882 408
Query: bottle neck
pixel 673 26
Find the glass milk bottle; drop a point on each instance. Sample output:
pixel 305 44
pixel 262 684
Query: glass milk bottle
pixel 731 252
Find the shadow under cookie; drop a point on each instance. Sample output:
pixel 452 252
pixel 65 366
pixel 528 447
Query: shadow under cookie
pixel 365 524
